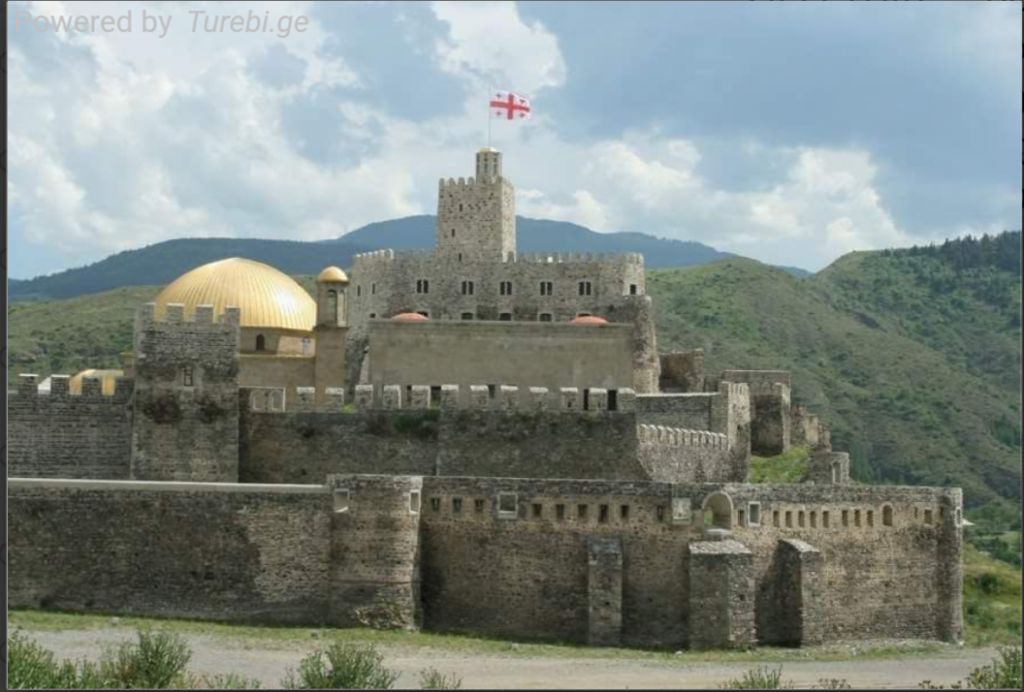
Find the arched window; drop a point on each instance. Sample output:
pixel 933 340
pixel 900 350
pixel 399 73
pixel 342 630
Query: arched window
pixel 261 342
pixel 332 306
pixel 718 511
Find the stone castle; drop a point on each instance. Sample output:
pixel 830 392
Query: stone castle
pixel 465 440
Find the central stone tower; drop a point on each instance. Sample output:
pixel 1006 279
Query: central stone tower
pixel 476 218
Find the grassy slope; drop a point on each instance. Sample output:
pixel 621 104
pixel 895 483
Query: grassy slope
pixel 906 410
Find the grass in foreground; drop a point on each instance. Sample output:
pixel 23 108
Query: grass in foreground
pixel 295 637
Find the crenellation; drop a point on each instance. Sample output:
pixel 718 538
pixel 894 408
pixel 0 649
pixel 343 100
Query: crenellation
pixel 479 396
pixel 364 396
pixel 60 386
pixel 391 396
pixel 419 397
pixel 307 399
pixel 334 399
pixel 507 398
pixel 450 396
pixel 92 387
pixel 28 384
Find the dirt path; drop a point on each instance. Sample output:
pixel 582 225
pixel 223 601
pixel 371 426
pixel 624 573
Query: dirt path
pixel 268 662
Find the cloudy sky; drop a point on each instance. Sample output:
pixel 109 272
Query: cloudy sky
pixel 790 133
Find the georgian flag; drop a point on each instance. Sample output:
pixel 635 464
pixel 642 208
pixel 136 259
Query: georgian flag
pixel 509 106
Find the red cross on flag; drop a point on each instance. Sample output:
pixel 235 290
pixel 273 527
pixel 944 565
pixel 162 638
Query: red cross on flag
pixel 509 106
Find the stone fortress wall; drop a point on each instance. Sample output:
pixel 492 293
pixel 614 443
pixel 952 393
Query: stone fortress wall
pixel 610 562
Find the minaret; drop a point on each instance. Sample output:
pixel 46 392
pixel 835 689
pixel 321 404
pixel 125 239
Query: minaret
pixel 476 218
pixel 331 331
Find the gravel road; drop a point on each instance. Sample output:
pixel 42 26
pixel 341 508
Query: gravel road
pixel 268 662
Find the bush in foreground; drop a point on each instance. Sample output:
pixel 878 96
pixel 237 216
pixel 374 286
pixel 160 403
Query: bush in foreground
pixel 1003 673
pixel 760 678
pixel 432 679
pixel 343 666
pixel 155 661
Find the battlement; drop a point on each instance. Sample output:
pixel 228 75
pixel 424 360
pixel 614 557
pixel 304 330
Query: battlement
pixel 680 437
pixel 450 184
pixel 475 397
pixel 373 256
pixel 760 381
pixel 577 257
pixel 174 314
pixel 92 389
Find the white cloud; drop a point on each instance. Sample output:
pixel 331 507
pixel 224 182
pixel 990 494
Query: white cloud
pixel 490 44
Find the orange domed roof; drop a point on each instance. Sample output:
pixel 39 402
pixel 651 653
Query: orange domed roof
pixel 588 319
pixel 409 317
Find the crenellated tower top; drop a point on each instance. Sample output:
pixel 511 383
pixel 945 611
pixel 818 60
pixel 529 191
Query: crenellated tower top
pixel 476 218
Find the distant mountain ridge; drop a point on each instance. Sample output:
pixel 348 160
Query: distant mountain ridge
pixel 162 262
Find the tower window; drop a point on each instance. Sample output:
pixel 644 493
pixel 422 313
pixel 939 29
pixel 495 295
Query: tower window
pixel 422 286
pixel 373 289
pixel 332 306
pixel 187 379
pixel 359 290
pixel 460 254
pixel 261 342
pixel 546 288
pixel 505 288
pixel 632 289
pixel 505 317
pixel 544 317
pixel 467 315
pixel 584 288
pixel 467 288
pixel 460 206
pixel 453 235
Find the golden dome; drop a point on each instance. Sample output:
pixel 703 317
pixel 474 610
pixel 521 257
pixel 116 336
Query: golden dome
pixel 108 380
pixel 332 275
pixel 265 296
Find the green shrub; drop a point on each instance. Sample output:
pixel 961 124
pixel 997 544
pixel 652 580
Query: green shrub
pixel 1003 673
pixel 29 665
pixel 223 681
pixel 156 661
pixel 343 666
pixel 760 678
pixel 432 679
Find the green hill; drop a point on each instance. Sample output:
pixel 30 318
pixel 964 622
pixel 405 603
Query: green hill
pixel 912 356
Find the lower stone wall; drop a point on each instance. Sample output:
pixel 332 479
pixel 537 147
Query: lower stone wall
pixel 192 550
pixel 575 560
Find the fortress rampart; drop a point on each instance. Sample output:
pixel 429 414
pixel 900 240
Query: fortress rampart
pixel 60 434
pixel 454 554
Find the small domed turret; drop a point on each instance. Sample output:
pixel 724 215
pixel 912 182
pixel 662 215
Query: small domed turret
pixel 332 274
pixel 588 319
pixel 409 317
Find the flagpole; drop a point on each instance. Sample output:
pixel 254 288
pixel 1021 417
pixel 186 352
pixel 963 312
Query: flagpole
pixel 491 90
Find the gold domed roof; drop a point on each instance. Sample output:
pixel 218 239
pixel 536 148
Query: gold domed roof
pixel 265 296
pixel 333 275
